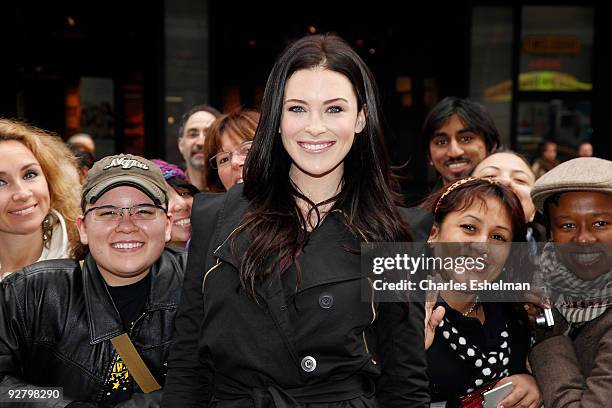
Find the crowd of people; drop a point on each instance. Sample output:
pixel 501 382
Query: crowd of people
pixel 236 280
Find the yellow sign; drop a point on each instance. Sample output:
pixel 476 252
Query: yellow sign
pixel 551 81
pixel 501 92
pixel 542 81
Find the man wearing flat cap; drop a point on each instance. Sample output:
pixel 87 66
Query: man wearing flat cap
pixel 572 360
pixel 100 328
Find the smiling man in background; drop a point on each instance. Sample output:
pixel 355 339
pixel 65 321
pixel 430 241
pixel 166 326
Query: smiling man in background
pixel 459 133
pixel 192 133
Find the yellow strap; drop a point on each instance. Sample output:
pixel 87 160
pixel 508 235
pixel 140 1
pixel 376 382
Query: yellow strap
pixel 134 363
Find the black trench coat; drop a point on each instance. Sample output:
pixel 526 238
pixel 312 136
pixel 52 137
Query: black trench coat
pixel 289 349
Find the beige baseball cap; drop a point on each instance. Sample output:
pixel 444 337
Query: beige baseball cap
pixel 125 170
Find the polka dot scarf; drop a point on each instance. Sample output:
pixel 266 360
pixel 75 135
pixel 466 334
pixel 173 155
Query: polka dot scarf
pixel 489 366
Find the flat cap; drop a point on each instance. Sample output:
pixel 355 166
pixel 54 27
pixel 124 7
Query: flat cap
pixel 581 174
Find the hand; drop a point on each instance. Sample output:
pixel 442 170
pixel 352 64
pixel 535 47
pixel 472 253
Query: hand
pixel 432 318
pixel 533 311
pixel 525 392
pixel 538 296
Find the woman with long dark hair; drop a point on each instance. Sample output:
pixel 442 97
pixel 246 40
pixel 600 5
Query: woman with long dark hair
pixel 271 313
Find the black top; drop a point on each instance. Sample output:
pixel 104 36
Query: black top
pixel 130 300
pixel 466 354
pixel 420 222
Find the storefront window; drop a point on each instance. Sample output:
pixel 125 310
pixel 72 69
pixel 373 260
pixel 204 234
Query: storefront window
pixel 557 49
pixel 552 99
pixel 491 64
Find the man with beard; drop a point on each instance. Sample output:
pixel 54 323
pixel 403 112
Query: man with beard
pixel 192 133
pixel 460 133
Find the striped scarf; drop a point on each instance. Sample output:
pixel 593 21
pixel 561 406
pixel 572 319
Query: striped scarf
pixel 579 300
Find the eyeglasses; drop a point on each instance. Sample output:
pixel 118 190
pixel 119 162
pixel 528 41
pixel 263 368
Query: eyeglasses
pixel 110 213
pixel 224 158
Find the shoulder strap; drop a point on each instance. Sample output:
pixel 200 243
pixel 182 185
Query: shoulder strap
pixel 137 368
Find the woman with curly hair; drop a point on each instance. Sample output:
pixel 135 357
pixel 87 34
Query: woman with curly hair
pixel 38 209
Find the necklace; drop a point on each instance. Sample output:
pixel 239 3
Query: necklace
pixel 473 307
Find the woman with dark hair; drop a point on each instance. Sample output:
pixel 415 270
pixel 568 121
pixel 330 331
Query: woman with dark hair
pixel 85 160
pixel 180 201
pixel 277 318
pixel 471 341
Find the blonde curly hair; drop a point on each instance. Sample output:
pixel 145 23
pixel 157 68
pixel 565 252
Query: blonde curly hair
pixel 51 153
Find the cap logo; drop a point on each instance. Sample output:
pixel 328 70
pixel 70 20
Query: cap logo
pixel 126 163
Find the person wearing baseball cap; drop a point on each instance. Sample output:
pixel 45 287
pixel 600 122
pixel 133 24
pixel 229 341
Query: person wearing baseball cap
pixel 78 317
pixel 572 360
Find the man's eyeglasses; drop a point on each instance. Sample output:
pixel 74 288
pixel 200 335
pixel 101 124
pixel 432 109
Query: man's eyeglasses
pixel 224 158
pixel 110 213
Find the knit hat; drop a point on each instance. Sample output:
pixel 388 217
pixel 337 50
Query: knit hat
pixel 175 176
pixel 170 170
pixel 581 174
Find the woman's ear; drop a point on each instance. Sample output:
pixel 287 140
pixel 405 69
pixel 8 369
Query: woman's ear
pixel 433 235
pixel 361 121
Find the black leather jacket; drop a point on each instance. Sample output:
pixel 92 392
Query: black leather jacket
pixel 56 322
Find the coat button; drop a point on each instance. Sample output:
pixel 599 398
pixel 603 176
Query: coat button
pixel 309 364
pixel 326 300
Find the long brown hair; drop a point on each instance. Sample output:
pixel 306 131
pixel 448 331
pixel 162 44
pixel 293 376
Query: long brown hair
pixel 51 152
pixel 275 225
